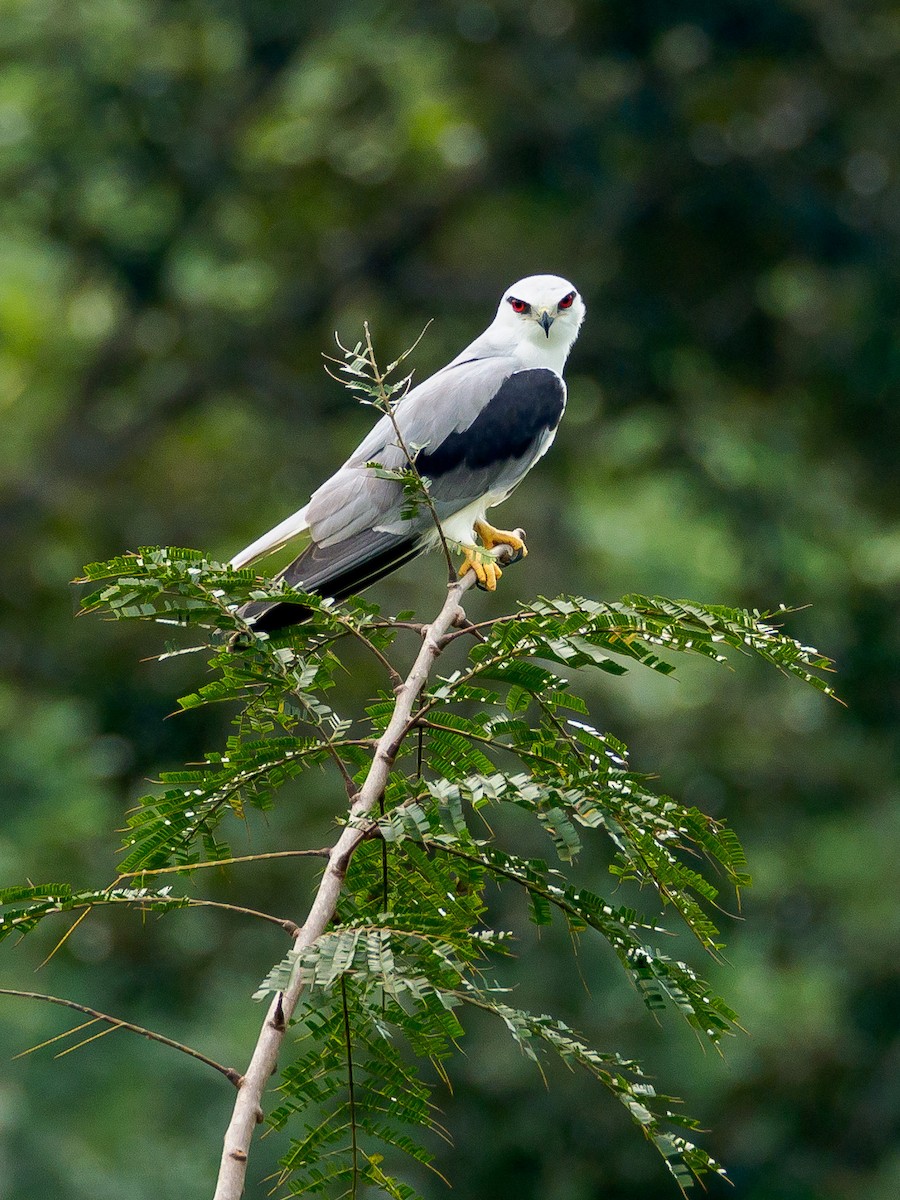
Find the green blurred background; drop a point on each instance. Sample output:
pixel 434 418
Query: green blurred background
pixel 195 195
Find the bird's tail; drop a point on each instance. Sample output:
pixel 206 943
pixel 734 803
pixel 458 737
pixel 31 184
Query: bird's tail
pixel 289 528
pixel 336 571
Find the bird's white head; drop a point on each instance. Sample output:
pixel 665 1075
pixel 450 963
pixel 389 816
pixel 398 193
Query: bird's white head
pixel 540 317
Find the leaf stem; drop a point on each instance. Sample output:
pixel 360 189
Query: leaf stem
pixel 351 1094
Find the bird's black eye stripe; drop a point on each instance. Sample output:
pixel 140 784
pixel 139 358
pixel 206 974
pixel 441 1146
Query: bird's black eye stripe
pixel 519 306
pixel 567 301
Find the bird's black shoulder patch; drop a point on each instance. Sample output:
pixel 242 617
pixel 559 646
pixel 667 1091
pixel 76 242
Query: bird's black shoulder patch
pixel 525 406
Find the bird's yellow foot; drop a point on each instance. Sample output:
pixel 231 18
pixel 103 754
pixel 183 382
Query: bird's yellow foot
pixel 491 537
pixel 483 566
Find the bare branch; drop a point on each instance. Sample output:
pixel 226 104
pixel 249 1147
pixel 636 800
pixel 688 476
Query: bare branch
pixel 282 922
pixel 115 1023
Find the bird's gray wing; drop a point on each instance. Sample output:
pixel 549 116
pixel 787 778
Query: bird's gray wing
pixel 444 406
pixel 473 444
pixel 487 458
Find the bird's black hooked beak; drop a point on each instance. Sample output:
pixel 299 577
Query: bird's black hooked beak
pixel 545 322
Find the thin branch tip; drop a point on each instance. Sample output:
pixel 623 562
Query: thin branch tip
pixel 116 1023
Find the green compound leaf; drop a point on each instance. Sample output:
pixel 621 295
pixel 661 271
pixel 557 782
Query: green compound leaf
pixel 413 944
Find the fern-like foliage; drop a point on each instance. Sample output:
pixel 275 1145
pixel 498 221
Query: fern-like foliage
pixel 22 908
pixel 413 945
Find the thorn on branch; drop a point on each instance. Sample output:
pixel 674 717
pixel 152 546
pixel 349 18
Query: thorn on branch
pixel 278 1022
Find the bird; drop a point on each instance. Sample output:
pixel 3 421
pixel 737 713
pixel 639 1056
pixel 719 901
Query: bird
pixel 474 429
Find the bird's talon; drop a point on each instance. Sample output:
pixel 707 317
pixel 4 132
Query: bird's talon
pixel 491 537
pixel 488 576
pixel 486 571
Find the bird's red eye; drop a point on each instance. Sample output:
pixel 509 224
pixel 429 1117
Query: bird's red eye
pixel 567 301
pixel 519 306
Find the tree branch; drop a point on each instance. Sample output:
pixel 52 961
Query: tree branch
pixel 248 1107
pixel 115 1023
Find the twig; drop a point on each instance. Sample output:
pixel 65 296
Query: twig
pixel 283 922
pixel 349 785
pixel 223 862
pixel 248 1106
pixel 229 1072
pixel 424 723
pixel 389 408
pixel 329 743
pixel 414 626
pixel 521 615
pixel 393 675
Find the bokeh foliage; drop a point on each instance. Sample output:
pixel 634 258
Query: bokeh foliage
pixel 194 196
